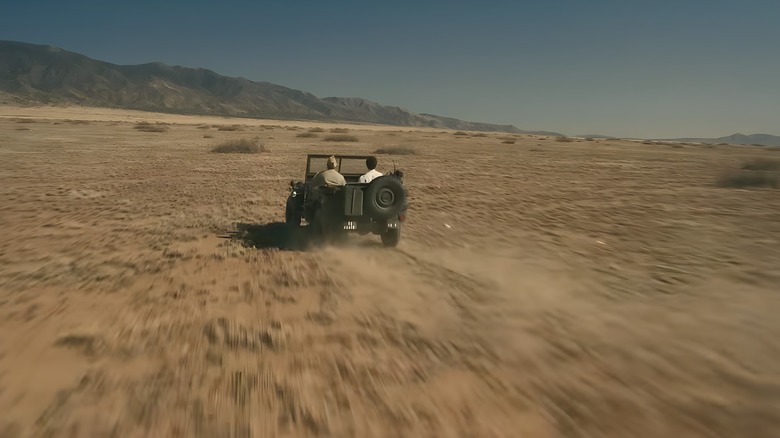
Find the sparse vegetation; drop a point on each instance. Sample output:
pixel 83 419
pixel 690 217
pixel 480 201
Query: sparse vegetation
pixel 339 130
pixel 677 146
pixel 240 146
pixel 341 137
pixel 229 128
pixel 588 138
pixel 204 126
pixel 508 142
pixel 25 121
pixel 759 172
pixel 747 178
pixel 398 150
pixel 563 139
pixel 306 135
pixel 208 136
pixel 762 164
pixel 460 133
pixel 480 134
pixel 148 127
pixel 22 129
pixel 316 129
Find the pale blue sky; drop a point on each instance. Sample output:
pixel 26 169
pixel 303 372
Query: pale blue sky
pixel 649 68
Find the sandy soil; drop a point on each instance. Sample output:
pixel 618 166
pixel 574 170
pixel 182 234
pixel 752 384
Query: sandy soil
pixel 541 288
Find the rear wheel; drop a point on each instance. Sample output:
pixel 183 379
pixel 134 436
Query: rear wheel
pixel 391 237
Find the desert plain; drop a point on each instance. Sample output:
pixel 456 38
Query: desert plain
pixel 542 288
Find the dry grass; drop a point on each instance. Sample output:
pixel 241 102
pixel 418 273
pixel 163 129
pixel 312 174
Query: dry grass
pixel 479 135
pixel 564 139
pixel 398 150
pixel 306 135
pixel 240 146
pixel 339 130
pixel 341 137
pixel 25 121
pixel 22 129
pixel 460 133
pixel 204 126
pixel 508 142
pixel 230 128
pixel 148 127
pixel 208 136
pixel 762 164
pixel 316 129
pixel 744 179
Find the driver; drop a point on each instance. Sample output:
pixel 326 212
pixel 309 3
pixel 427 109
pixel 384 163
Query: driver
pixel 330 177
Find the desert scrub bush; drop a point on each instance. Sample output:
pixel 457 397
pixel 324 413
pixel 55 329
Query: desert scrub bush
pixel 25 121
pixel 340 137
pixel 563 139
pixel 339 130
pixel 240 146
pixel 204 126
pixel 762 164
pixel 316 129
pixel 508 142
pixel 208 136
pixel 748 178
pixel 148 127
pixel 229 128
pixel 306 135
pixel 460 133
pixel 480 135
pixel 398 150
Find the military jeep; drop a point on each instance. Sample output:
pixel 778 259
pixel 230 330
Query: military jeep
pixel 331 212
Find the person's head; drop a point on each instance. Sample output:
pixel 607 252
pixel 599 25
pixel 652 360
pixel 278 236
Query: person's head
pixel 371 163
pixel 331 162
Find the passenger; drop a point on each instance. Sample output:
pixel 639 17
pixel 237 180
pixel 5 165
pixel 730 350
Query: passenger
pixel 372 172
pixel 331 176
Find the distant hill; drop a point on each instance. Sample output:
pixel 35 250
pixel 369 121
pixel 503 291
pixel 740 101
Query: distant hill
pixel 741 139
pixel 32 73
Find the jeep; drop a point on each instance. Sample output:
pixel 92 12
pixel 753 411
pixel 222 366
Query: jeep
pixel 378 207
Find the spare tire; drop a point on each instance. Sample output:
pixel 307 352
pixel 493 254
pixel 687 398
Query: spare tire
pixel 384 197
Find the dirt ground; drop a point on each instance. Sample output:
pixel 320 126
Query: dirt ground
pixel 541 288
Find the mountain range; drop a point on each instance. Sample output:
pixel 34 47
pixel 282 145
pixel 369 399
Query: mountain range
pixel 31 73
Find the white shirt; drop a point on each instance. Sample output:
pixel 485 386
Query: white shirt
pixel 371 174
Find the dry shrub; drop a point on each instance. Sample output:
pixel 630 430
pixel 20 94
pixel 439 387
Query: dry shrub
pixel 229 128
pixel 306 135
pixel 398 150
pixel 240 146
pixel 22 129
pixel 293 128
pixel 339 130
pixel 208 136
pixel 563 139
pixel 479 135
pixel 340 137
pixel 78 122
pixel 588 138
pixel 204 126
pixel 742 179
pixel 677 146
pixel 25 121
pixel 148 127
pixel 762 164
pixel 508 142
pixel 316 129
pixel 460 133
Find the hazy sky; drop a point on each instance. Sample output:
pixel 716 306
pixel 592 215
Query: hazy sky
pixel 644 68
